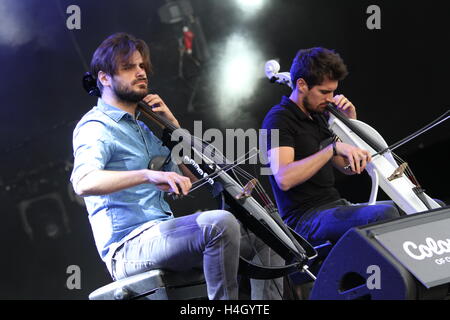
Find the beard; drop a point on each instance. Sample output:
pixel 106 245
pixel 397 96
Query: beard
pixel 127 94
pixel 307 104
pixel 310 108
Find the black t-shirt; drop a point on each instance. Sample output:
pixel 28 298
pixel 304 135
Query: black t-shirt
pixel 307 137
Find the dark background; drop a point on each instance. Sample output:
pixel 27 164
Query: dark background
pixel 398 81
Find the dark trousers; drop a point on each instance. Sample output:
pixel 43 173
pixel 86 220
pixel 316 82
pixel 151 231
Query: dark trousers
pixel 331 221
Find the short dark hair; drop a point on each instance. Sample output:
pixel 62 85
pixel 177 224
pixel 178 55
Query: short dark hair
pixel 115 49
pixel 314 65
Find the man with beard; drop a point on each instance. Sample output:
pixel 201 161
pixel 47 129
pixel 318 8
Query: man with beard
pixel 133 226
pixel 302 162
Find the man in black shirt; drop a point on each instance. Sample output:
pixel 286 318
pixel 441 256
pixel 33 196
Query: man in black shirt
pixel 302 162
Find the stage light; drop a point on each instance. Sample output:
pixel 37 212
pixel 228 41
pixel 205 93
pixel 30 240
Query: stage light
pixel 238 72
pixel 250 6
pixel 14 30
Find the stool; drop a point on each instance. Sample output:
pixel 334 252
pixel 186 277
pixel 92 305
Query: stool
pixel 155 285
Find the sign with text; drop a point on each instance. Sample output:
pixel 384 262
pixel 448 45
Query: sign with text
pixel 423 249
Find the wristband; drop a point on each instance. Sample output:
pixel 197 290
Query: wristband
pixel 334 149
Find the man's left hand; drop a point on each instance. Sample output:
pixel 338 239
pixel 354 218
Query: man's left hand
pixel 160 107
pixel 344 105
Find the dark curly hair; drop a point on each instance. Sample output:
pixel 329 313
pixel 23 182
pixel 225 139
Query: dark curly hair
pixel 116 49
pixel 315 65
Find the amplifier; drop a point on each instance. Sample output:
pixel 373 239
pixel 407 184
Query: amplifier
pixel 404 258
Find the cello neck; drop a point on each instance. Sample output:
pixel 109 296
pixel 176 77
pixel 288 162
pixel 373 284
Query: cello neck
pixel 346 121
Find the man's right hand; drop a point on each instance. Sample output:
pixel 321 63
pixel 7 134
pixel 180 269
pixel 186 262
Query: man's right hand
pixel 357 158
pixel 169 181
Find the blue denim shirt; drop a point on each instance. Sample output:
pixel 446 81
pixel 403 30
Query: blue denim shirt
pixel 108 138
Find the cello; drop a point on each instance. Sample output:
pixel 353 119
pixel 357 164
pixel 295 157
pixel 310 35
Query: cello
pixel 394 178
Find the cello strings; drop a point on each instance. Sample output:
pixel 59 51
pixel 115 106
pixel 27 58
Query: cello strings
pixel 408 171
pixel 223 169
pixel 258 187
pixel 235 168
pixel 260 190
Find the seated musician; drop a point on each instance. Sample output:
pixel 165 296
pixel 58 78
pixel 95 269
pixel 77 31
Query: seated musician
pixel 133 226
pixel 302 163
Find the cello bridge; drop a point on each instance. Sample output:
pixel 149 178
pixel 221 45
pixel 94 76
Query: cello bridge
pixel 247 190
pixel 398 172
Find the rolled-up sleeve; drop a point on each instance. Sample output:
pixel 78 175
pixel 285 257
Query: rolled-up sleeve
pixel 92 149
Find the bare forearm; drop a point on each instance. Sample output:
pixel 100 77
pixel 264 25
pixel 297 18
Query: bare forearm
pixel 297 172
pixel 100 182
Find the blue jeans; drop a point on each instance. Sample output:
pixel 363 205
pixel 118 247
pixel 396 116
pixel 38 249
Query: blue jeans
pixel 331 221
pixel 212 240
